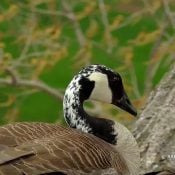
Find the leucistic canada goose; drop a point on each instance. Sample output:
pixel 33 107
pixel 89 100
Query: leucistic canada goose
pixel 90 146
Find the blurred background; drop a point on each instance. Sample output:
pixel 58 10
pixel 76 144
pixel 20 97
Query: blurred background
pixel 43 43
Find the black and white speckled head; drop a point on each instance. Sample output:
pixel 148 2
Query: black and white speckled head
pixel 100 83
pixel 95 82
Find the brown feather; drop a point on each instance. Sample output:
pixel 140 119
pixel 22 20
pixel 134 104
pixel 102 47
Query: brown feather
pixel 38 148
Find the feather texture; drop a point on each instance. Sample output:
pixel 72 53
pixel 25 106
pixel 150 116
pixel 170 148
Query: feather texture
pixel 53 148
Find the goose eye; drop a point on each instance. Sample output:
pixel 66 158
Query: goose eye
pixel 115 79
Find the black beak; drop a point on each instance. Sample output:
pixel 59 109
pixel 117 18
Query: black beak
pixel 125 104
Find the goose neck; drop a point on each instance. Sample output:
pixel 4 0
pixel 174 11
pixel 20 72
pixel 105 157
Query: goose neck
pixel 76 116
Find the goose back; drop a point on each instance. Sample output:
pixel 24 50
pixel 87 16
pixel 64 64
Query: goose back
pixel 64 150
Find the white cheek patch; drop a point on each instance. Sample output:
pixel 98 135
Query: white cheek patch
pixel 101 91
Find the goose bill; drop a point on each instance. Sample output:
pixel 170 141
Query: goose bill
pixel 125 104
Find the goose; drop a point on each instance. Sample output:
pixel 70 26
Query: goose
pixel 91 145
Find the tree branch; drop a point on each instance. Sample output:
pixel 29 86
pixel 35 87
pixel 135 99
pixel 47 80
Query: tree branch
pixel 152 68
pixel 15 81
pixel 106 24
pixel 155 129
pixel 76 25
pixel 168 13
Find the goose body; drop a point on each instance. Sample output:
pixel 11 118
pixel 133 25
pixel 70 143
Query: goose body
pixel 89 146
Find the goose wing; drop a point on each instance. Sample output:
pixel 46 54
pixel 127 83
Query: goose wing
pixel 21 132
pixel 67 151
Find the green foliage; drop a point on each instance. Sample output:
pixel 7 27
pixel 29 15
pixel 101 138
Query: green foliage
pixel 52 40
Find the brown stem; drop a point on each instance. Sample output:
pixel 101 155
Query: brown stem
pixel 18 82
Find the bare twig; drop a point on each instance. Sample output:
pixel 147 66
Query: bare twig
pixel 13 75
pixel 167 20
pixel 106 24
pixel 134 82
pixel 78 31
pixel 38 54
pixel 152 68
pixel 33 84
pixel 168 13
pixel 104 14
pixel 27 44
pixel 28 39
pixel 16 81
pixel 131 18
pixel 53 13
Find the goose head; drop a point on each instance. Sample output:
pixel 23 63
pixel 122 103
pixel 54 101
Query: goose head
pixel 94 82
pixel 106 86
